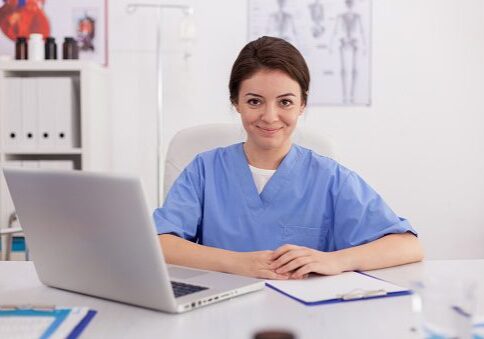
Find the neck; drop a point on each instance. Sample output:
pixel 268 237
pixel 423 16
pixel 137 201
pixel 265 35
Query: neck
pixel 265 158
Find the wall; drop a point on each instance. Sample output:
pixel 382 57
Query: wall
pixel 420 143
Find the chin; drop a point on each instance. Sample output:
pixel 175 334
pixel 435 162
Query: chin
pixel 270 144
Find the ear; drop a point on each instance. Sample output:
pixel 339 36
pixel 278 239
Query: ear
pixel 301 109
pixel 236 106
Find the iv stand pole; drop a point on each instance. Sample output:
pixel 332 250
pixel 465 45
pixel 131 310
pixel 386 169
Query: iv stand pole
pixel 131 8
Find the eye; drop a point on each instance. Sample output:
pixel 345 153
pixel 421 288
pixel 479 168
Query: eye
pixel 253 102
pixel 286 102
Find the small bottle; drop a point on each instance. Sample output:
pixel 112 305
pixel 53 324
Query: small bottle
pixel 70 49
pixel 21 48
pixel 36 47
pixel 50 49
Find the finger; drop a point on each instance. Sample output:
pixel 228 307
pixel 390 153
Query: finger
pixel 294 265
pixel 274 276
pixel 281 250
pixel 288 257
pixel 303 271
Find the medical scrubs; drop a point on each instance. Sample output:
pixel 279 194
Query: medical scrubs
pixel 311 201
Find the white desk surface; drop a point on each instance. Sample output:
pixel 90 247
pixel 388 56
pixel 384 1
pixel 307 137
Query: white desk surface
pixel 241 317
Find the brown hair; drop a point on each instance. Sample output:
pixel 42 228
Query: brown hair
pixel 273 54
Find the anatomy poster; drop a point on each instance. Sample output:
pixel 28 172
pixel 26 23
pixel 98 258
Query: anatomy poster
pixel 84 20
pixel 333 35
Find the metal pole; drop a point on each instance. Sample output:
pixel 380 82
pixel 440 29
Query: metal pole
pixel 160 158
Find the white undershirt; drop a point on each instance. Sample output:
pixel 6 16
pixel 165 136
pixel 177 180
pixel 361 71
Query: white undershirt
pixel 261 177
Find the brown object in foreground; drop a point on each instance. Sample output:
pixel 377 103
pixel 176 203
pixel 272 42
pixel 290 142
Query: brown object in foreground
pixel 274 335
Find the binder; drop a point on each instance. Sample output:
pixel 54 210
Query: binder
pixel 44 321
pixel 12 106
pixel 47 100
pixel 57 112
pixel 348 286
pixel 29 113
pixel 65 112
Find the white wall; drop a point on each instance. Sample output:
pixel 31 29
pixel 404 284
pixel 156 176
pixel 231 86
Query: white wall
pixel 420 143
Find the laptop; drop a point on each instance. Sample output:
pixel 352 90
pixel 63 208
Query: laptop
pixel 92 233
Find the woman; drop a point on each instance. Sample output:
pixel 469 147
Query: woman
pixel 268 208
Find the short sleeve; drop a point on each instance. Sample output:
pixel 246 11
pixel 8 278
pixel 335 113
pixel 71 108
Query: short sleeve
pixel 362 216
pixel 181 213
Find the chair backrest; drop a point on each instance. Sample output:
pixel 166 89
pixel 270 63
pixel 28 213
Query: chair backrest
pixel 187 143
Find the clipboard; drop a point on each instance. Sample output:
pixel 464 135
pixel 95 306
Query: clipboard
pixel 44 321
pixel 345 287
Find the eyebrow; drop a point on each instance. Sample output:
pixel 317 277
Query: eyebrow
pixel 279 96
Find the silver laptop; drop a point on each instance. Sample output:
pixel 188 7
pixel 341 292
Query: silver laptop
pixel 93 233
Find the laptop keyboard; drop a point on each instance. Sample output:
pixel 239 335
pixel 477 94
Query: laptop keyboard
pixel 181 289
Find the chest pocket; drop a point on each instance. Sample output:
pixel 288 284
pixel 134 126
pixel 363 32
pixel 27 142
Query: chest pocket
pixel 303 236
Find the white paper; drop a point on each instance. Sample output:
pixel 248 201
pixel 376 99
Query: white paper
pixel 320 288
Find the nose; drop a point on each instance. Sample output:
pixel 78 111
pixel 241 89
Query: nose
pixel 270 114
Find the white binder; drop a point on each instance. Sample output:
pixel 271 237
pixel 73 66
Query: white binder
pixel 12 106
pixel 47 100
pixel 64 111
pixel 29 113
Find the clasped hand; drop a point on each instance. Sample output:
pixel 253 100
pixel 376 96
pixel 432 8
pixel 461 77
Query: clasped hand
pixel 291 262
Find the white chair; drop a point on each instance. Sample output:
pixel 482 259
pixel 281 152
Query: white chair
pixel 187 143
pixel 8 233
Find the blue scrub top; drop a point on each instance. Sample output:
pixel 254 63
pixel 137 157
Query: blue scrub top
pixel 310 201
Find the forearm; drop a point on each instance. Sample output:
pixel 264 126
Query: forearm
pixel 182 252
pixel 390 250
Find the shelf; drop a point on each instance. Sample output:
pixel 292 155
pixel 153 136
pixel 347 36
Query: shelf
pixel 45 151
pixel 47 65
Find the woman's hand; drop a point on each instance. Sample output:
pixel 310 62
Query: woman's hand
pixel 256 264
pixel 299 261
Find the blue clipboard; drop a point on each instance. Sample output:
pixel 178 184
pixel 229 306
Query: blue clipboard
pixel 354 294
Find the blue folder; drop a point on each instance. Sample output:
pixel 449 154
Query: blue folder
pixel 58 316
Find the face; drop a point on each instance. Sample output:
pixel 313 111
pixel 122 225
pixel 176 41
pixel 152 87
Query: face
pixel 269 104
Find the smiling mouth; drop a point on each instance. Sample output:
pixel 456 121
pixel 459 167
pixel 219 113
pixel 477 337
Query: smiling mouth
pixel 269 131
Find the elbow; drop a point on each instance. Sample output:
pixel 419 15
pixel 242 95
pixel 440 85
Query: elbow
pixel 420 252
pixel 417 251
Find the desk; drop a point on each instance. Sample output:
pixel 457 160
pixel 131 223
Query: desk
pixel 242 316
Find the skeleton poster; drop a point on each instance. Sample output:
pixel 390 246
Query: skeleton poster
pixel 334 37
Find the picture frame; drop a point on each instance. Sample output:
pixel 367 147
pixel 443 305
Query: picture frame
pixel 84 20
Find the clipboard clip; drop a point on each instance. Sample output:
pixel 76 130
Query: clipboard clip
pixel 37 307
pixel 361 294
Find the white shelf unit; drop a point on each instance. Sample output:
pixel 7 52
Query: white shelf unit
pixel 92 148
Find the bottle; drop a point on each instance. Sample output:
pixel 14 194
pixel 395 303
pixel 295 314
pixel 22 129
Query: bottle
pixel 21 48
pixel 50 49
pixel 70 49
pixel 36 47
